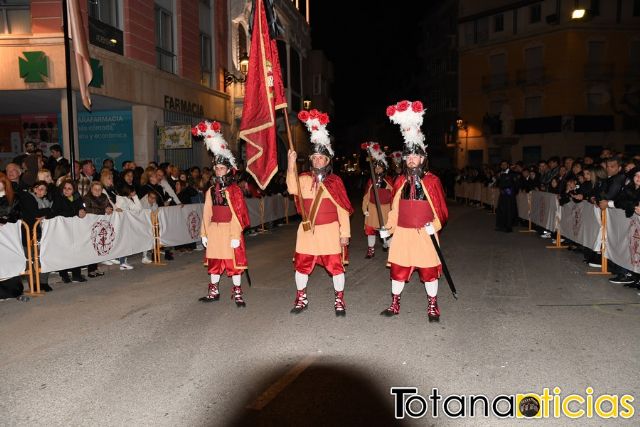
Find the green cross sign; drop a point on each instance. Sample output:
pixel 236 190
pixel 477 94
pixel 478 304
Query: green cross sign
pixel 98 75
pixel 33 67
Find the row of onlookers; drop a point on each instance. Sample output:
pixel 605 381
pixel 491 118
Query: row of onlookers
pixel 610 181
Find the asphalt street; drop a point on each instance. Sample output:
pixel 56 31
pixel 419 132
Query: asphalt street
pixel 137 348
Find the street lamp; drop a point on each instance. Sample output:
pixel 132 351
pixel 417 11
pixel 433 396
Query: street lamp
pixel 578 13
pixel 243 66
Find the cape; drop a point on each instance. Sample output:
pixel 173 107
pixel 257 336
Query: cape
pixel 334 185
pixel 433 186
pixel 236 199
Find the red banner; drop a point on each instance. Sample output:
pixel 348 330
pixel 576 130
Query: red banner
pixel 264 94
pixel 81 49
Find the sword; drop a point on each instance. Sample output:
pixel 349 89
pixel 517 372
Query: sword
pixel 445 270
pixel 246 271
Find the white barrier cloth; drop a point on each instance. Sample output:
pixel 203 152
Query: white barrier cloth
pixel 544 209
pixel 12 259
pixel 74 242
pixel 274 209
pixel 522 200
pixel 581 223
pixel 180 225
pixel 623 239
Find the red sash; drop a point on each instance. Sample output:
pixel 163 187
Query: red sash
pixel 383 193
pixel 327 211
pixel 414 213
pixel 220 213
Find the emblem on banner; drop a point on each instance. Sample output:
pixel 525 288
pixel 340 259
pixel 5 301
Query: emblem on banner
pixel 634 242
pixel 193 224
pixel 103 235
pixel 577 219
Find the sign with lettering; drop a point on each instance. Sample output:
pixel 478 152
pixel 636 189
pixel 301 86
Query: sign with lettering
pixel 183 106
pixel 105 134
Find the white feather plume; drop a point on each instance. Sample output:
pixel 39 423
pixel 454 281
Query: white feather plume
pixel 410 122
pixel 378 155
pixel 215 142
pixel 319 134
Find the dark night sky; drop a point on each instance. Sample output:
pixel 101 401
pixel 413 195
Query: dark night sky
pixel 373 49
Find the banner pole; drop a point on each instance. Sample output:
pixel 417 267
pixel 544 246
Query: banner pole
pixel 604 262
pixel 30 265
pixel 530 229
pixel 36 262
pixel 306 225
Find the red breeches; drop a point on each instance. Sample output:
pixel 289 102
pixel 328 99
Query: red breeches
pixel 305 264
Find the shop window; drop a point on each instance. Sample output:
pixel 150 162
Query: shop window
pixel 15 17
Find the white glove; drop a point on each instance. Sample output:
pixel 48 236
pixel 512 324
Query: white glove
pixel 204 241
pixel 384 233
pixel 366 213
pixel 430 229
pixel 235 243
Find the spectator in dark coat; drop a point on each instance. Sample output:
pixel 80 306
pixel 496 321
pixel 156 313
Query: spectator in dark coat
pixel 8 203
pixel 615 182
pixel 67 203
pixel 34 205
pixel 56 159
pixel 629 198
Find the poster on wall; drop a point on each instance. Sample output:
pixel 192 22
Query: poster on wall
pixel 41 129
pixel 173 137
pixel 105 135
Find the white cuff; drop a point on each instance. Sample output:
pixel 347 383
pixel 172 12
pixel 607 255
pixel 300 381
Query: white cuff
pixel 611 204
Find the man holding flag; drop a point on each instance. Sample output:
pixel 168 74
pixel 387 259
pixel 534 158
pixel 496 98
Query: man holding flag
pixel 323 196
pixel 264 94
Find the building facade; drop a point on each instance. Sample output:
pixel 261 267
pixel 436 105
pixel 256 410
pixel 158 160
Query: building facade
pixel 438 53
pixel 535 83
pixel 158 65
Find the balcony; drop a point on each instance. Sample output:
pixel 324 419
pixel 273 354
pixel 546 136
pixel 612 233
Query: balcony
pixel 494 82
pixel 532 76
pixel 106 36
pixel 601 71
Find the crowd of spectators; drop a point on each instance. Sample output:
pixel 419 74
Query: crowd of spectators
pixel 611 180
pixel 34 186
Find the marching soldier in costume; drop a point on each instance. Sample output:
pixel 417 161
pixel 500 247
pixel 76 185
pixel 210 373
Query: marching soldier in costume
pixel 323 240
pixel 384 187
pixel 418 211
pixel 224 218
